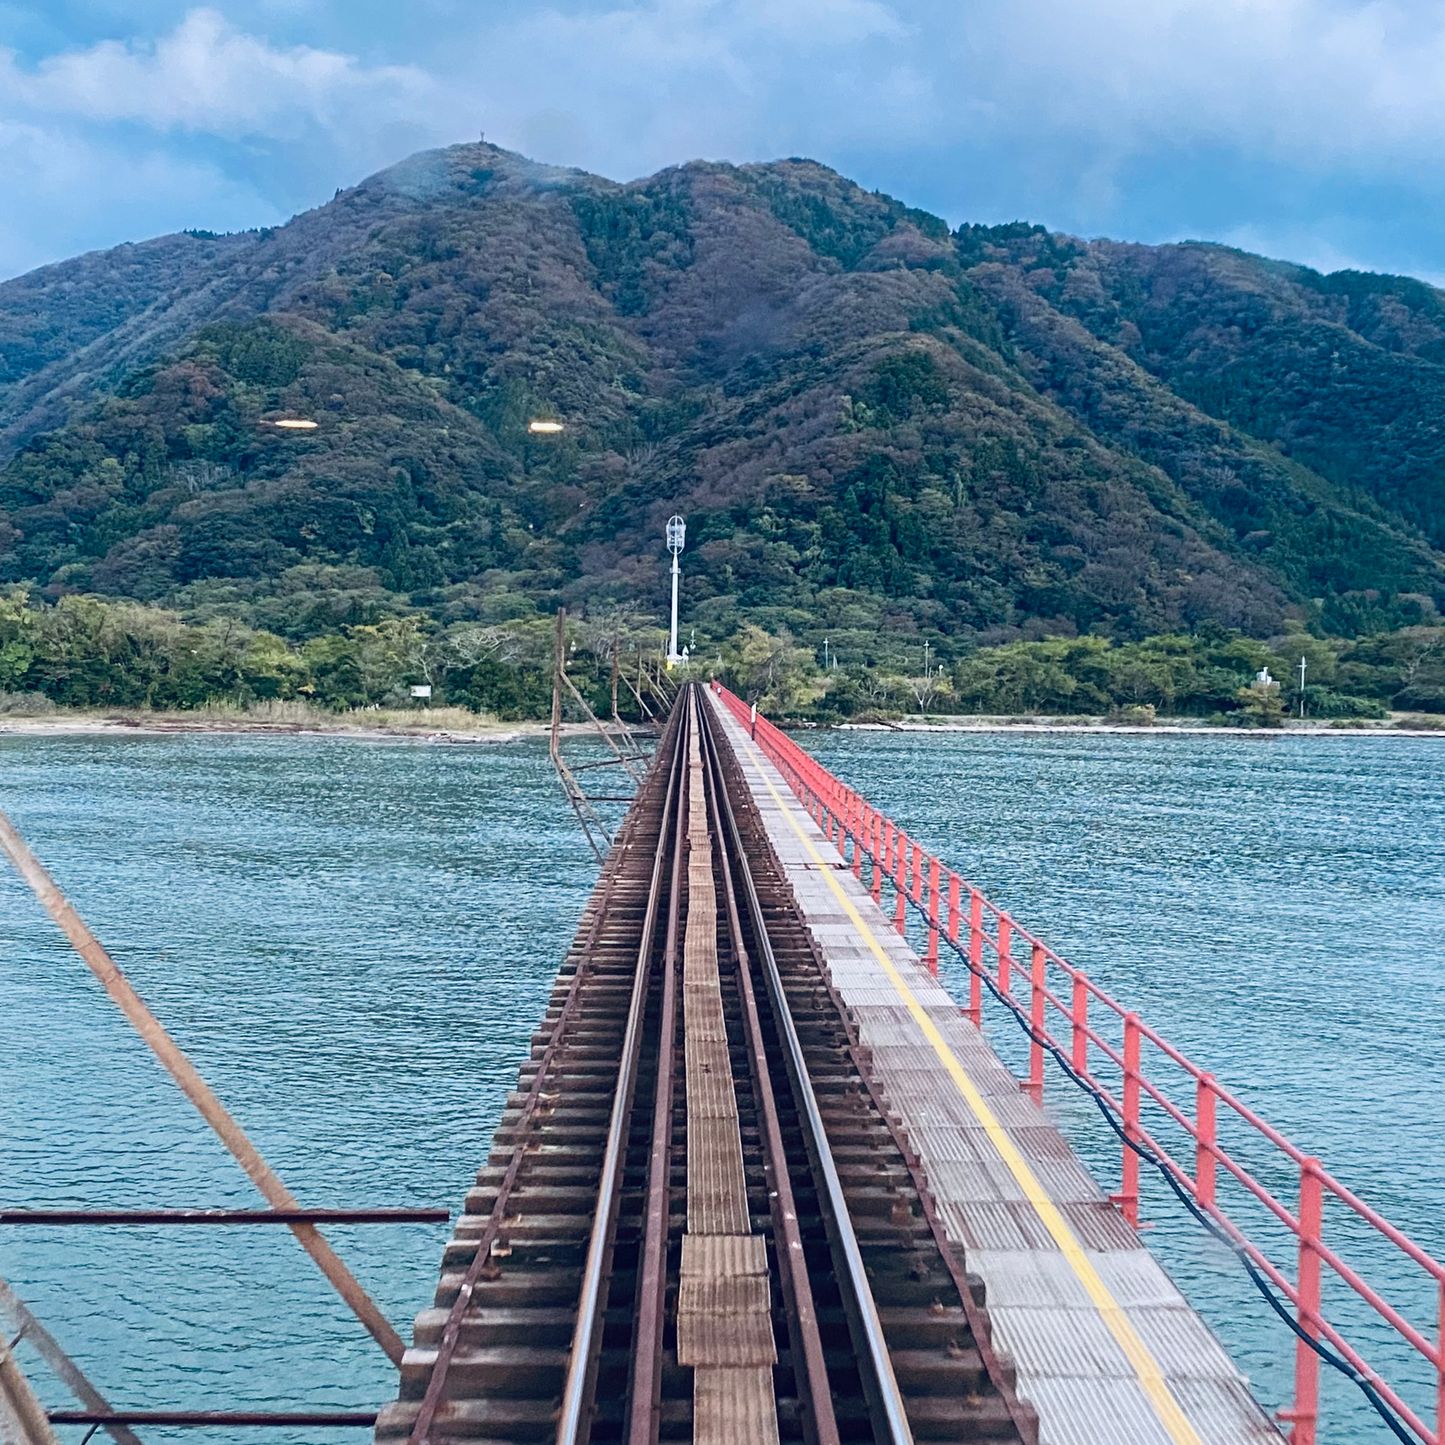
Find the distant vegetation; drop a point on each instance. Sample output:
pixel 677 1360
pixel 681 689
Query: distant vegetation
pixel 1078 476
pixel 85 652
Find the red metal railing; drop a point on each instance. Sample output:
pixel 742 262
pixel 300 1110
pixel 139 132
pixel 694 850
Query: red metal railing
pixel 1060 994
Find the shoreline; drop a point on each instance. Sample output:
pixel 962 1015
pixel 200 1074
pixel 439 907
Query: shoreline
pixel 491 732
pixel 1168 729
pixel 177 724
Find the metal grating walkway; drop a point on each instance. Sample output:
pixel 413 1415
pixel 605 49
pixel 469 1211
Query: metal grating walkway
pixel 1106 1347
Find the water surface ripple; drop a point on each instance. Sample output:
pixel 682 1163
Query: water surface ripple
pixel 354 942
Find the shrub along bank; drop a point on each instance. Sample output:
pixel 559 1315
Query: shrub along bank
pixel 87 652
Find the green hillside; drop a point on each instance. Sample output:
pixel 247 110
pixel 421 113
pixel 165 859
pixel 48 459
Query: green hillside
pixel 880 431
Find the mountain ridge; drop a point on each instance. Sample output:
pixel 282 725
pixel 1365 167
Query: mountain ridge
pixel 877 425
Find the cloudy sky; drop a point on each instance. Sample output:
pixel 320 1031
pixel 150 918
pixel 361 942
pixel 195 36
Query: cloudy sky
pixel 1308 129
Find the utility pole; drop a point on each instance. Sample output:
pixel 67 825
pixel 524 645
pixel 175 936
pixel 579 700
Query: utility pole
pixel 676 537
pixel 825 654
pixel 1301 687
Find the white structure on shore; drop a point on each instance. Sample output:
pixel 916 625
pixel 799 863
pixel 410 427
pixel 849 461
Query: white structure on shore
pixel 676 537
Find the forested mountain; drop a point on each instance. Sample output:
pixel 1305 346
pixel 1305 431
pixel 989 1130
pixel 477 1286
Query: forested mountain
pixel 878 429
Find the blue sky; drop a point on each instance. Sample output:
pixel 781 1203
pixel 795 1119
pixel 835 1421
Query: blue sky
pixel 1306 129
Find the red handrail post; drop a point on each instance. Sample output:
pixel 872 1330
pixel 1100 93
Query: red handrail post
pixel 933 915
pixel 1128 1196
pixel 1205 1139
pixel 859 825
pixel 1036 1024
pixel 917 874
pixel 888 845
pixel 1005 962
pixel 1304 1414
pixel 1080 1052
pixel 975 957
pixel 879 832
pixel 900 882
pixel 953 886
pixel 1440 1370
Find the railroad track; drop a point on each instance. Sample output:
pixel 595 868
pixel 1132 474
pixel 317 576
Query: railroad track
pixel 699 1220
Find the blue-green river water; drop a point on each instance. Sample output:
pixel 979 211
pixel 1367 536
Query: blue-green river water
pixel 353 941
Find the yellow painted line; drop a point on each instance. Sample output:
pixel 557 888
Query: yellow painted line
pixel 1145 1366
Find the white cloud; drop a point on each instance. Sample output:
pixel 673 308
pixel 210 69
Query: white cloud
pixel 637 86
pixel 66 195
pixel 208 76
pixel 1055 104
pixel 206 127
pixel 1315 82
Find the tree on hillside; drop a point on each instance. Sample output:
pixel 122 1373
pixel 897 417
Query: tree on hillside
pixel 928 686
pixel 771 670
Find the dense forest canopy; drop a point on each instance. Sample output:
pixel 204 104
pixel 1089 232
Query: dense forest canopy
pixel 882 432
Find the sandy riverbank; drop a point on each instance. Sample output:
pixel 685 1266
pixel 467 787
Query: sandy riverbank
pixel 439 725
pixel 456 725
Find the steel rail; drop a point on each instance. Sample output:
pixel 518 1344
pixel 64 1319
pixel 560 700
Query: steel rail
pixel 451 1331
pixel 195 1087
pixel 651 1312
pixel 1024 1418
pixel 591 1298
pixel 872 1348
pixel 224 1216
pixel 820 1423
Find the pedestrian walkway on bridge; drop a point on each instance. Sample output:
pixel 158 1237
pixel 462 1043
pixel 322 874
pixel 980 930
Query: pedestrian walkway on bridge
pixel 1106 1347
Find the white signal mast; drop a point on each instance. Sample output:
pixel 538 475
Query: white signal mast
pixel 676 537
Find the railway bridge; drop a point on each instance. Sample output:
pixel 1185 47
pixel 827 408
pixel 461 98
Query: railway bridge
pixel 762 1179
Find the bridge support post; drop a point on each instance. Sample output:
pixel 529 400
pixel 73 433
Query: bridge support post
pixel 932 958
pixel 1205 1138
pixel 900 882
pixel 1303 1415
pixel 1080 1054
pixel 1440 1369
pixel 1037 985
pixel 975 957
pixel 1128 1196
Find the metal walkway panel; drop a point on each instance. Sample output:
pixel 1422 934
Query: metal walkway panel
pixel 1107 1349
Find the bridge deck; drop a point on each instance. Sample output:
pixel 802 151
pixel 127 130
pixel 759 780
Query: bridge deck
pixel 1106 1347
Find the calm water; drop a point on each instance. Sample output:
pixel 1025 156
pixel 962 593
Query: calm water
pixel 354 941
